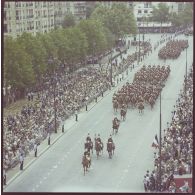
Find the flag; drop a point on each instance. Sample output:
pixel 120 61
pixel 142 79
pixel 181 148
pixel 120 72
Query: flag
pixel 155 142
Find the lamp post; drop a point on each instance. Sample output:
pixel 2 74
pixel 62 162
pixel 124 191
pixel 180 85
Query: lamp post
pixel 186 73
pixel 111 68
pixel 160 149
pixel 139 46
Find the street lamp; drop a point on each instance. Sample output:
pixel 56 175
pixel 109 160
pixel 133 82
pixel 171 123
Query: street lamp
pixel 139 46
pixel 186 73
pixel 111 68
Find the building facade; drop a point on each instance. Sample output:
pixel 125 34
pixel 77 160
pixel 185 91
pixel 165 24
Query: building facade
pixel 40 16
pixel 32 17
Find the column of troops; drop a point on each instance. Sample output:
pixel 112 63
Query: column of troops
pixel 173 49
pixel 145 89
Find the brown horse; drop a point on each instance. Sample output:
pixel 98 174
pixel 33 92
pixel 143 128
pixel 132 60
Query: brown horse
pixel 110 149
pixel 115 126
pixel 86 163
pixel 98 148
pixel 89 146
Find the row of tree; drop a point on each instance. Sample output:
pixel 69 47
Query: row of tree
pixel 28 58
pixel 162 13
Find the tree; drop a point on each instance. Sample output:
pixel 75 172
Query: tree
pixel 184 17
pixel 118 19
pixel 34 47
pixel 69 21
pixel 18 69
pixel 161 13
pixel 96 39
pixel 187 13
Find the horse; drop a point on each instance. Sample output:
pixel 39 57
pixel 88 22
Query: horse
pixel 141 107
pixel 115 105
pixel 115 126
pixel 89 146
pixel 86 163
pixel 98 148
pixel 110 149
pixel 123 114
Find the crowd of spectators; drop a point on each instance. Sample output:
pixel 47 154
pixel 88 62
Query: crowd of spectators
pixel 177 148
pixel 36 121
pixel 173 49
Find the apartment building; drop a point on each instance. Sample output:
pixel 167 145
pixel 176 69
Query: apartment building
pixel 39 16
pixel 29 16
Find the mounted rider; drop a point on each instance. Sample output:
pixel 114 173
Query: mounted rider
pixel 116 121
pixel 110 141
pixel 98 140
pixel 88 138
pixel 87 156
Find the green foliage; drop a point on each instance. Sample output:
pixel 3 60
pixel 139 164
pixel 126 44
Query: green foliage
pixel 184 17
pixel 118 19
pixel 96 39
pixel 18 69
pixel 69 21
pixel 34 47
pixel 161 13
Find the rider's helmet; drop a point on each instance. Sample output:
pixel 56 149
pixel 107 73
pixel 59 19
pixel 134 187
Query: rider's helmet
pixel 110 136
pixel 98 135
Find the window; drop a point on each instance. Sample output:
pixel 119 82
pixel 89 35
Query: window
pixel 17 15
pixel 145 11
pixel 5 28
pixel 139 11
pixel 5 15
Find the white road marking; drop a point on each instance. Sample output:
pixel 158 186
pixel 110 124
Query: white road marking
pixel 45 178
pixel 55 166
pixel 33 190
pixel 40 182
pixel 37 186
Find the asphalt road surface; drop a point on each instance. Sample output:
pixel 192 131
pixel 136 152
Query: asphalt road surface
pixel 59 169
